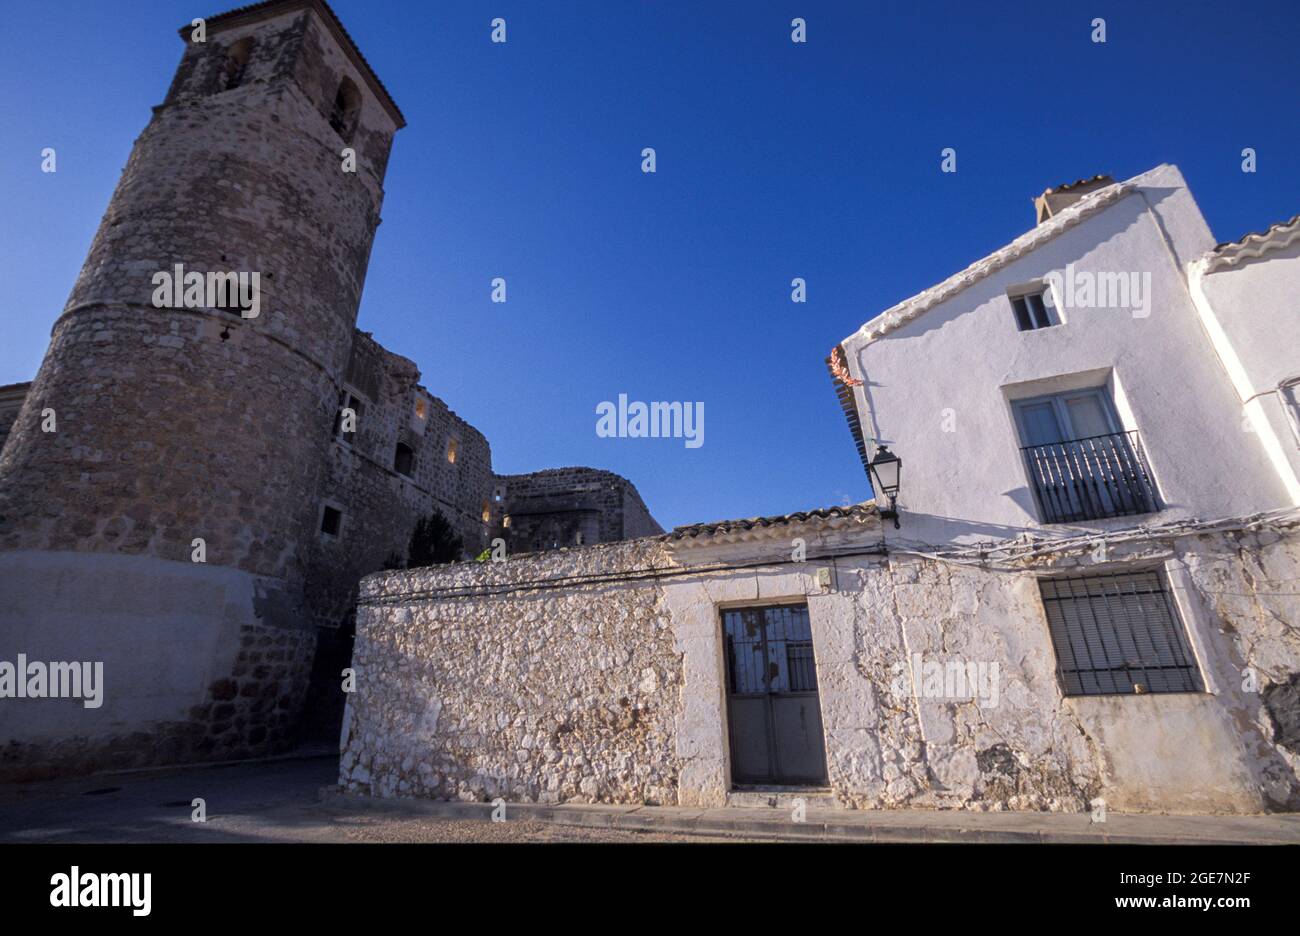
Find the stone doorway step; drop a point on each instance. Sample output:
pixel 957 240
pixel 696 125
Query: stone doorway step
pixel 782 797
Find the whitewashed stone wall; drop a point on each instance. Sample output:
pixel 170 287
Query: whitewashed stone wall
pixel 616 692
pixel 544 695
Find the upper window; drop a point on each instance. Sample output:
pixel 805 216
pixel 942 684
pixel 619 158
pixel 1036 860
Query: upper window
pixel 1118 635
pixel 453 450
pixel 235 64
pixel 347 104
pixel 1082 464
pixel 1033 309
pixel 404 459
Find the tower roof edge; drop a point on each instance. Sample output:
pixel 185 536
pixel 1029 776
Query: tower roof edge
pixel 260 11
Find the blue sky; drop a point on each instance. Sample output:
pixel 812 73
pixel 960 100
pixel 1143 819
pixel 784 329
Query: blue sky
pixel 775 160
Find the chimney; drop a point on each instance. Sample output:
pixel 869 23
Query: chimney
pixel 1052 201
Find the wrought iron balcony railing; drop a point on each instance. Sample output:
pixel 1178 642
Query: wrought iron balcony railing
pixel 1091 479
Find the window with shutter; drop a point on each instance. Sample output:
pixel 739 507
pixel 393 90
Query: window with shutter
pixel 1118 635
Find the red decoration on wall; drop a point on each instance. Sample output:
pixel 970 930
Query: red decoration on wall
pixel 840 368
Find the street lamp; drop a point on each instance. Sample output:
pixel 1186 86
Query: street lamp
pixel 885 469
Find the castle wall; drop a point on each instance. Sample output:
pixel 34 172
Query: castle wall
pixel 11 401
pixel 571 506
pixel 191 668
pixel 381 505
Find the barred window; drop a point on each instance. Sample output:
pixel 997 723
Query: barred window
pixel 1118 634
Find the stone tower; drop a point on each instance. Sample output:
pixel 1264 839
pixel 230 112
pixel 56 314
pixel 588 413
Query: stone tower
pixel 193 421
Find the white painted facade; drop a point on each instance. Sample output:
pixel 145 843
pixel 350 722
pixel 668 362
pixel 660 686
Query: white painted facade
pixel 1248 294
pixel 941 371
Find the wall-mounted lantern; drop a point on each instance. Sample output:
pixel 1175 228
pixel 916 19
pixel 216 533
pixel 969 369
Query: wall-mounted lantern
pixel 885 470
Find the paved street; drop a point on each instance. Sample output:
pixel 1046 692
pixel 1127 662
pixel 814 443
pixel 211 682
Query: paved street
pixel 281 801
pixel 274 801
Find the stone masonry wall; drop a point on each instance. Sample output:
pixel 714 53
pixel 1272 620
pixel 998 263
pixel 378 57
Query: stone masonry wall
pixel 11 401
pixel 571 506
pixel 495 692
pixel 533 694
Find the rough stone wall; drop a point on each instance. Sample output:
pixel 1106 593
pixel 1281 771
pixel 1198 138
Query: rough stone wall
pixel 461 696
pixel 11 401
pixel 1224 750
pixel 533 694
pixel 380 504
pixel 571 506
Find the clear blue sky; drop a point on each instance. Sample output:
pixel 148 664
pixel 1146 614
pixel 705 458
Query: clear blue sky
pixel 775 160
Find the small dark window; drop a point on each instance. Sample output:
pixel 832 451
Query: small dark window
pixel 1032 311
pixel 235 64
pixel 331 521
pixel 348 430
pixel 347 104
pixel 404 459
pixel 1118 635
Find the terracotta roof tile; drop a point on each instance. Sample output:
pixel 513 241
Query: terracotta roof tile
pixel 861 511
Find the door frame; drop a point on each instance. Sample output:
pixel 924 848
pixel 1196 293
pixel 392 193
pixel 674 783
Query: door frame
pixel 800 601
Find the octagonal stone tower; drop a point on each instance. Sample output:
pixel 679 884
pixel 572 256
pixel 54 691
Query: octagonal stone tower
pixel 194 421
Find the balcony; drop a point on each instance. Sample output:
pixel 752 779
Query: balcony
pixel 1091 479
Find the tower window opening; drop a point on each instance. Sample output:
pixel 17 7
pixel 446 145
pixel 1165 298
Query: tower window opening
pixel 347 104
pixel 453 449
pixel 235 64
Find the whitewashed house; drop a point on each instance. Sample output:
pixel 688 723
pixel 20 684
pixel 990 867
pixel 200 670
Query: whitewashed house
pixel 1024 398
pixel 1119 394
pixel 1086 597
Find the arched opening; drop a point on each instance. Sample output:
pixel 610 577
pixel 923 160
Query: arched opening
pixel 404 459
pixel 347 105
pixel 235 64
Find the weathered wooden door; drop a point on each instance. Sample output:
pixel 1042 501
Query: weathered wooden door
pixel 772 705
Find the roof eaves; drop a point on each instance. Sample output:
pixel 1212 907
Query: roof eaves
pixel 754 528
pixel 1252 246
pixel 1094 202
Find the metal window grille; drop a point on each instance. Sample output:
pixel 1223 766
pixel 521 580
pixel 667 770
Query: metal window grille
pixel 1118 634
pixel 1091 479
pixel 770 650
pixel 799 664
